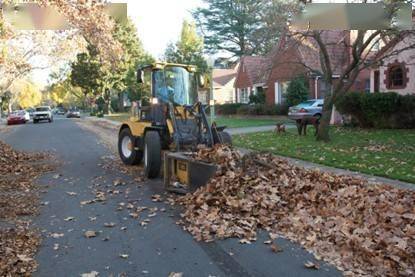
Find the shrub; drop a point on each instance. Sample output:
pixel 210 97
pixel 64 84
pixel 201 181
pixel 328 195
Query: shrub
pixel 263 109
pixel 228 109
pixel 258 98
pixel 379 110
pixel 297 91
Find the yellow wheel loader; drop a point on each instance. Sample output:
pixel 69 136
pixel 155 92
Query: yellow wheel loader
pixel 172 124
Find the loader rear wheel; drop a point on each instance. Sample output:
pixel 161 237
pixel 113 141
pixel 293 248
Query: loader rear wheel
pixel 152 154
pixel 225 138
pixel 126 148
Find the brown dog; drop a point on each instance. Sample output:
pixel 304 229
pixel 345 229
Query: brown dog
pixel 279 128
pixel 302 125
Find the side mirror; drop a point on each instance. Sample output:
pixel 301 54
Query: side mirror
pixel 140 76
pixel 202 81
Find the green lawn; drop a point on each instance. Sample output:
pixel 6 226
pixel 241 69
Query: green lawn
pixel 232 122
pixel 221 121
pixel 388 153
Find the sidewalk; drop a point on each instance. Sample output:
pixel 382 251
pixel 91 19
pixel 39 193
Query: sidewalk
pixel 111 124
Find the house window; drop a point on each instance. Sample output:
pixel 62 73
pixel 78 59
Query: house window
pixel 396 76
pixel 244 95
pixel 367 85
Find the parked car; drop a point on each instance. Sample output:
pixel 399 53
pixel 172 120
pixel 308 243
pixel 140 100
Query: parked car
pixel 307 109
pixel 60 111
pixel 73 113
pixel 30 111
pixel 18 117
pixel 42 113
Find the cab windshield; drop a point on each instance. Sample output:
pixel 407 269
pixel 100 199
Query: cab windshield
pixel 176 85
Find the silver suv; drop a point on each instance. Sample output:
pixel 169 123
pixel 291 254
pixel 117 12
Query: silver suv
pixel 307 109
pixel 42 113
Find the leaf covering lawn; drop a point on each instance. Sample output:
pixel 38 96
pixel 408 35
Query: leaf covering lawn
pixel 387 153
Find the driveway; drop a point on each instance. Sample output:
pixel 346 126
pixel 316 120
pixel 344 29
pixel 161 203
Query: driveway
pixel 148 244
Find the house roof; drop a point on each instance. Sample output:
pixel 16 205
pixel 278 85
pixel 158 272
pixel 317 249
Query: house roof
pixel 254 66
pixel 223 76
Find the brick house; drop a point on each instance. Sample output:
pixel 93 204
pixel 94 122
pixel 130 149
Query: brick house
pixel 293 57
pixel 249 77
pixel 396 71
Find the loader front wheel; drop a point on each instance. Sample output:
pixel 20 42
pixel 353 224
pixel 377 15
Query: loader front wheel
pixel 152 154
pixel 127 150
pixel 225 138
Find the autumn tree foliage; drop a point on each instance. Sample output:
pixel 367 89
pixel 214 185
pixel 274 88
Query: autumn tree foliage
pixel 188 49
pixel 100 79
pixel 91 25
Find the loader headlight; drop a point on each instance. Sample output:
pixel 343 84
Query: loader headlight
pixel 154 101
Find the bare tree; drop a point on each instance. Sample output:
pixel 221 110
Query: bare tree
pixel 360 44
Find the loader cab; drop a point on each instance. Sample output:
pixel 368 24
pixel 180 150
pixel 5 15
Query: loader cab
pixel 170 83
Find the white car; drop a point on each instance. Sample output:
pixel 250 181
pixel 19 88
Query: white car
pixel 25 114
pixel 42 113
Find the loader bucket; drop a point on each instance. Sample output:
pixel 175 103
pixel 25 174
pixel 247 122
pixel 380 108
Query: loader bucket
pixel 183 174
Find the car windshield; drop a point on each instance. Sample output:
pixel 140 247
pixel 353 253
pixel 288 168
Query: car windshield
pixel 306 104
pixel 176 85
pixel 42 109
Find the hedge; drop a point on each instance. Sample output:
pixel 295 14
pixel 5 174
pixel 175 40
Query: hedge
pixel 379 110
pixel 249 109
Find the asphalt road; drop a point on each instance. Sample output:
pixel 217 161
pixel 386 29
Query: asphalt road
pixel 157 249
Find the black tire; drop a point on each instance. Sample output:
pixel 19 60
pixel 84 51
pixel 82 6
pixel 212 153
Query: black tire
pixel 225 138
pixel 34 121
pixel 318 116
pixel 136 155
pixel 152 154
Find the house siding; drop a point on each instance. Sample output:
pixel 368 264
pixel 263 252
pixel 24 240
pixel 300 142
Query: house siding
pixel 224 94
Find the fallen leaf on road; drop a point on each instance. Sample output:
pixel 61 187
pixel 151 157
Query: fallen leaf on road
pixel 311 265
pixel 156 198
pixel 109 225
pixel 56 176
pixel 118 182
pixel 92 218
pixel 268 242
pixel 56 235
pixel 134 215
pixel 71 193
pixel 244 241
pixel 56 246
pixel 275 248
pixel 90 274
pixel 176 274
pixel 70 218
pixel 124 256
pixel 90 234
pixel 86 202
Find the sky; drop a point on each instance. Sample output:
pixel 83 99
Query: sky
pixel 158 23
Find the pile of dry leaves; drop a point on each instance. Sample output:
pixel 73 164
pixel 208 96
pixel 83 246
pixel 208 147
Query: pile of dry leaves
pixel 18 197
pixel 360 228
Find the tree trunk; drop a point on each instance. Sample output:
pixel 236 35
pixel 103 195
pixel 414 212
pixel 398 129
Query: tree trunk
pixel 324 127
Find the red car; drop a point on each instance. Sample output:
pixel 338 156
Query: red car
pixel 16 118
